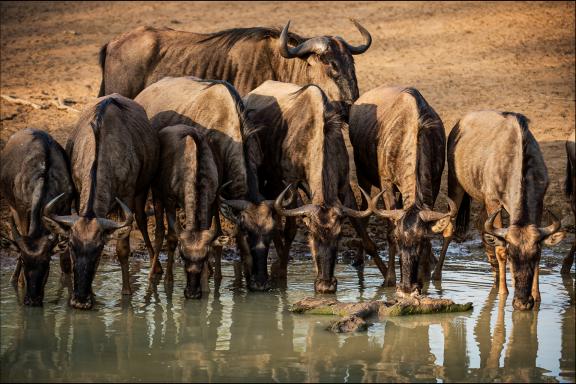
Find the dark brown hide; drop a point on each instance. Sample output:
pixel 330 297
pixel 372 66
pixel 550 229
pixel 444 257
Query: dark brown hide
pixel 114 155
pixel 216 109
pixel 245 57
pixel 187 181
pixel 493 158
pixel 569 189
pixel 34 170
pixel 302 140
pixel 399 145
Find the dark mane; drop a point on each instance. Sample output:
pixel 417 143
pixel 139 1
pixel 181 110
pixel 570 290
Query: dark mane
pixel 37 203
pixel 96 124
pixel 523 121
pixel 333 124
pixel 229 37
pixel 252 148
pixel 428 164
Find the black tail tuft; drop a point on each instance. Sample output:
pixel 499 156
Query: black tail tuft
pixel 463 218
pixel 568 187
pixel 102 62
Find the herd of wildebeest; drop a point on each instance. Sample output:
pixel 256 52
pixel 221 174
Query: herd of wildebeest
pixel 251 123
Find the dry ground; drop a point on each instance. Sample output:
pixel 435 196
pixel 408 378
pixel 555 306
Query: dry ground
pixel 462 56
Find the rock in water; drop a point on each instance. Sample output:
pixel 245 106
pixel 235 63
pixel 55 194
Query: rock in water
pixel 355 314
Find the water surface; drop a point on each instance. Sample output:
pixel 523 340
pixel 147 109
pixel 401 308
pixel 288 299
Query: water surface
pixel 157 335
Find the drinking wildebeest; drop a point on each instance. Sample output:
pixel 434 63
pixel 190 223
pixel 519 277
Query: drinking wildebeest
pixel 114 155
pixel 188 180
pixel 399 145
pixel 301 138
pixel 215 108
pixel 569 189
pixel 493 158
pixel 245 57
pixel 34 170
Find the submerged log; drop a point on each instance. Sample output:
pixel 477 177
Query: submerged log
pixel 355 314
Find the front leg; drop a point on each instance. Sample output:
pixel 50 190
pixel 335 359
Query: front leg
pixel 347 198
pixel 123 253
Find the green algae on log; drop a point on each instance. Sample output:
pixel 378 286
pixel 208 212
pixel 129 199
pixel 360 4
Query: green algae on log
pixel 355 314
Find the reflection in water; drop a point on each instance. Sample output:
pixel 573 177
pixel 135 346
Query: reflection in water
pixel 234 336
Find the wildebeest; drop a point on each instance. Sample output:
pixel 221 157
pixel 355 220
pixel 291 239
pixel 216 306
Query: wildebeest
pixel 34 170
pixel 114 154
pixel 215 108
pixel 301 138
pixel 493 158
pixel 187 180
pixel 399 145
pixel 569 189
pixel 245 57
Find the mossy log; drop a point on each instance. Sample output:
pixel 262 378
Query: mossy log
pixel 355 314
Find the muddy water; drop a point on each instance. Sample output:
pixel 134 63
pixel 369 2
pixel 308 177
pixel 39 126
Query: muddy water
pixel 157 335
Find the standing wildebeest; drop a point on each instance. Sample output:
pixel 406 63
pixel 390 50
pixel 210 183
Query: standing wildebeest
pixel 114 154
pixel 34 170
pixel 494 159
pixel 215 108
pixel 245 57
pixel 301 138
pixel 187 179
pixel 399 146
pixel 569 189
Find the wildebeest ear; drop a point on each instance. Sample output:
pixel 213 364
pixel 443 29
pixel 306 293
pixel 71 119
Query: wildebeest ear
pixel 228 213
pixel 440 225
pixel 555 238
pixel 493 240
pixel 221 241
pixel 55 227
pixel 119 233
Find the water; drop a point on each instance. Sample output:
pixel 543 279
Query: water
pixel 239 336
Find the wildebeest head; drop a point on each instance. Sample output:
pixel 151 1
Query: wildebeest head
pixel 255 223
pixel 413 228
pixel 325 224
pixel 330 63
pixel 35 252
pixel 86 238
pixel 523 246
pixel 195 245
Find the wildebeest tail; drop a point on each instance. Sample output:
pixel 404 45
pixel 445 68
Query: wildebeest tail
pixel 463 218
pixel 568 186
pixel 102 63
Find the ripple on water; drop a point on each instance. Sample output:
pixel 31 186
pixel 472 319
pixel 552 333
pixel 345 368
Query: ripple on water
pixel 157 335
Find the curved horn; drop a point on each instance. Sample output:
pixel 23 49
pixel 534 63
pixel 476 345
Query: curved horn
pixel 552 228
pixel 489 225
pixel 300 211
pixel 67 221
pixel 107 224
pixel 355 213
pixel 213 228
pixel 314 45
pixel 365 34
pixel 429 215
pixel 393 214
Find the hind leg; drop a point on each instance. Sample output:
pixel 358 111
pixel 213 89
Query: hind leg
pixel 499 253
pixel 142 221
